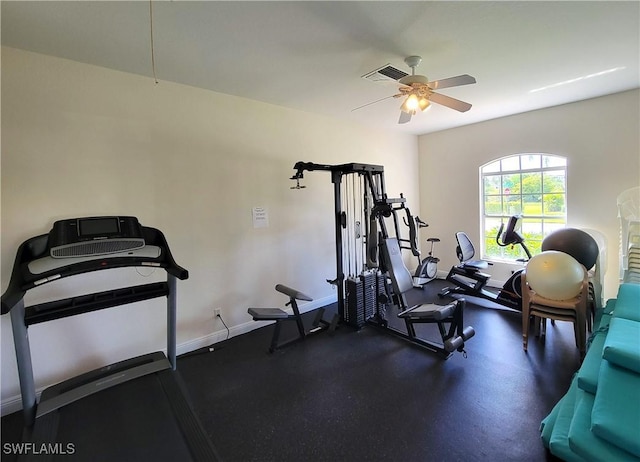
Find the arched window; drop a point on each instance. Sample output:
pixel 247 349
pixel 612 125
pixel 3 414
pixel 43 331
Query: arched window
pixel 532 185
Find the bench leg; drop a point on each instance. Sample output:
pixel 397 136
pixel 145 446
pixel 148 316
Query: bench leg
pixel 274 339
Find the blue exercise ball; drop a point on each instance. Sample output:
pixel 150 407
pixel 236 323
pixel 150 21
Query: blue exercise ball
pixel 577 243
pixel 555 275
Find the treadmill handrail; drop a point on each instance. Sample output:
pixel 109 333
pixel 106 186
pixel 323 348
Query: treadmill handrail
pixel 22 279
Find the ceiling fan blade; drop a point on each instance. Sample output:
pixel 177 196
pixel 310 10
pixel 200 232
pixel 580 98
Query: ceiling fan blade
pixel 464 79
pixel 373 102
pixel 450 102
pixel 404 117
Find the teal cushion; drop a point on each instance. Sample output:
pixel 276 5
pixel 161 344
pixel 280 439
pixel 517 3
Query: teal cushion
pixel 622 346
pixel 590 369
pixel 609 306
pixel 603 324
pixel 584 443
pixel 616 408
pixel 559 441
pixel 546 426
pixel 628 302
pixel 606 310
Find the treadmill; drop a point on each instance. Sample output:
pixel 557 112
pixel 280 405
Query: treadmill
pixel 133 410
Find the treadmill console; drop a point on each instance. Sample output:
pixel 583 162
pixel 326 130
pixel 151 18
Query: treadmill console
pixel 90 236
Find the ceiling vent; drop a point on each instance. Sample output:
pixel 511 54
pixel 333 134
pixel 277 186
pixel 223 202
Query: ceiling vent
pixel 386 73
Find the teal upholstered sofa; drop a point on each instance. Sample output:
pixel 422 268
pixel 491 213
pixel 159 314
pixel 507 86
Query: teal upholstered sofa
pixel 598 419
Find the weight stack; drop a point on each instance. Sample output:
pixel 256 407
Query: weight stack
pixel 354 313
pixel 381 296
pixel 362 297
pixel 369 293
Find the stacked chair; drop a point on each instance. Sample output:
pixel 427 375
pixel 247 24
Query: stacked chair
pixel 539 308
pixel 629 215
pixel 588 248
pixel 597 273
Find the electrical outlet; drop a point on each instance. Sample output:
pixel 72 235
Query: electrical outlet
pixel 216 312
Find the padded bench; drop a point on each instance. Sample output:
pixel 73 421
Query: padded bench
pixel 599 417
pixel 278 315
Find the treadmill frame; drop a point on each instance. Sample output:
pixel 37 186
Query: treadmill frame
pixel 23 280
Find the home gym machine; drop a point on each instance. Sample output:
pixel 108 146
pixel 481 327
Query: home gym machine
pixel 469 278
pixel 369 256
pixel 131 410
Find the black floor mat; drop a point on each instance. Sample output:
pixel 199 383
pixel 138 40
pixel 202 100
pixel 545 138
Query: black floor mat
pixel 363 395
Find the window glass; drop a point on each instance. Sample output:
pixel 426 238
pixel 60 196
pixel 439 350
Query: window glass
pixel 554 204
pixel 510 163
pixel 553 161
pixel 532 233
pixel 492 184
pixel 511 184
pixel 553 181
pixel 512 205
pixel 532 185
pixel 493 205
pixel 492 167
pixel 530 161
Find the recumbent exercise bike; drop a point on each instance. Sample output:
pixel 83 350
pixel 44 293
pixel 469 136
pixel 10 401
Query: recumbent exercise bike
pixel 469 278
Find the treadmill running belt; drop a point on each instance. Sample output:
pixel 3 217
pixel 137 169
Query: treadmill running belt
pixel 133 421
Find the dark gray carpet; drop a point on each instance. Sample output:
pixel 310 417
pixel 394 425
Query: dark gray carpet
pixel 367 396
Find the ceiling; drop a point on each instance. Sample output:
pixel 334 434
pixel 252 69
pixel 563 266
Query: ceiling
pixel 310 56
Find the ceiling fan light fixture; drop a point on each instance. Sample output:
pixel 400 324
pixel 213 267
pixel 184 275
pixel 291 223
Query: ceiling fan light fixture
pixel 418 92
pixel 424 104
pixel 410 104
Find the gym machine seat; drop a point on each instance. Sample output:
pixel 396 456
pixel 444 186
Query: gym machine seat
pixel 454 337
pixel 468 269
pixel 131 410
pixel 278 315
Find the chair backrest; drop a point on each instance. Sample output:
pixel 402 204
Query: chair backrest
pixel 401 279
pixel 465 249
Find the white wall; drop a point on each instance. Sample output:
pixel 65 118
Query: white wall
pixel 600 137
pixel 80 140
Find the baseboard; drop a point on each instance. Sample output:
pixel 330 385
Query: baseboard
pixel 14 403
pixel 210 340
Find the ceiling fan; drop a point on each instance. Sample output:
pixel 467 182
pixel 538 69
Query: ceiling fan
pixel 418 91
